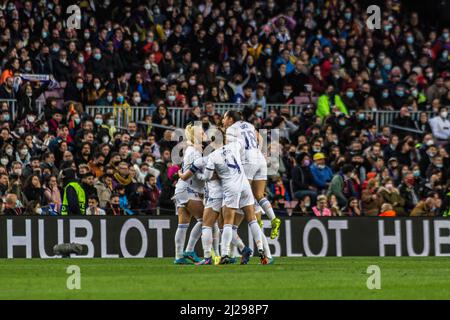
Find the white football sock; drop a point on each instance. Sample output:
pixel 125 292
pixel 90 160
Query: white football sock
pixel 256 234
pixel 207 240
pixel 227 235
pixel 237 241
pixel 216 239
pixel 265 245
pixel 195 235
pixel 180 239
pixel 267 207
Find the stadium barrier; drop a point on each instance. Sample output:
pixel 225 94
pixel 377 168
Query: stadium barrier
pixel 140 236
pixel 179 115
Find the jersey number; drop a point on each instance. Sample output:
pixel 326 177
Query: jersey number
pixel 250 139
pixel 233 164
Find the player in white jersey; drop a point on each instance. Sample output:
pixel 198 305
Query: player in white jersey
pixel 255 165
pixel 212 214
pixel 237 194
pixel 189 200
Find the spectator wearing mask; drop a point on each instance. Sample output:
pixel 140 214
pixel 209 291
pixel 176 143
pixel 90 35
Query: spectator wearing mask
pixel 425 208
pixel 329 101
pixel 321 173
pixel 341 185
pixel 74 199
pixel 12 206
pixel 113 207
pixel 391 195
pixel 440 126
pixel 302 179
pixel 410 191
pixel 52 193
pixel 371 199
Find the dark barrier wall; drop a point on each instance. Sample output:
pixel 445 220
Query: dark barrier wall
pixel 113 237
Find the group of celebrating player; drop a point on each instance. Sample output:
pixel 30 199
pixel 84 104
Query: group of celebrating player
pixel 220 190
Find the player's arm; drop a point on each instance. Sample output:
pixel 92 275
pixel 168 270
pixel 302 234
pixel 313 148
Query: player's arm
pixel 259 139
pixel 209 170
pixel 185 175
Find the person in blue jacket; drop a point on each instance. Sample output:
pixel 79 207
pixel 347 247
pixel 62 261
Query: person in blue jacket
pixel 322 174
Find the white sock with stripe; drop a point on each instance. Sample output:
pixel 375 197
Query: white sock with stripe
pixel 227 236
pixel 265 245
pixel 207 240
pixel 267 207
pixel 216 239
pixel 195 235
pixel 237 241
pixel 180 239
pixel 256 234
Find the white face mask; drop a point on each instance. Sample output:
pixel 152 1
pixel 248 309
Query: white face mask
pixel 136 149
pixel 4 161
pixel 147 66
pixel 18 172
pixel 39 211
pixel 444 114
pixel 30 118
pixel 137 99
pixel 105 139
pixel 97 85
pixel 21 130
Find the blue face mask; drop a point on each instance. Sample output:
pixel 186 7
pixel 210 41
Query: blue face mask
pixel 385 95
pixel 379 82
pixel 97 56
pixel 409 39
pixel 400 93
pixel 350 94
pixel 348 15
pixel 361 116
pixel 372 65
pixel 109 98
pixel 79 86
pixel 416 173
pixel 6 117
pixel 387 66
pixel 120 99
pixel 98 121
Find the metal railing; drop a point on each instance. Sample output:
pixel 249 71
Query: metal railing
pixel 13 107
pixel 123 114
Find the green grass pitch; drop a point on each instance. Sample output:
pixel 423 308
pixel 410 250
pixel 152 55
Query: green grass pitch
pixel 289 278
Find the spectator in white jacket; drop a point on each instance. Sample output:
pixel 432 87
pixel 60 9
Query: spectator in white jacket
pixel 440 126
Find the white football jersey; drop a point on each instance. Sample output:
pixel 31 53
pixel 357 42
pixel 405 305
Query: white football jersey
pixel 194 183
pixel 226 162
pixel 245 132
pixel 213 188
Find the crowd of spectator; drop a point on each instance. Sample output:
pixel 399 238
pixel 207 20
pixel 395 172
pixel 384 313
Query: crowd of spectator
pixel 189 54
